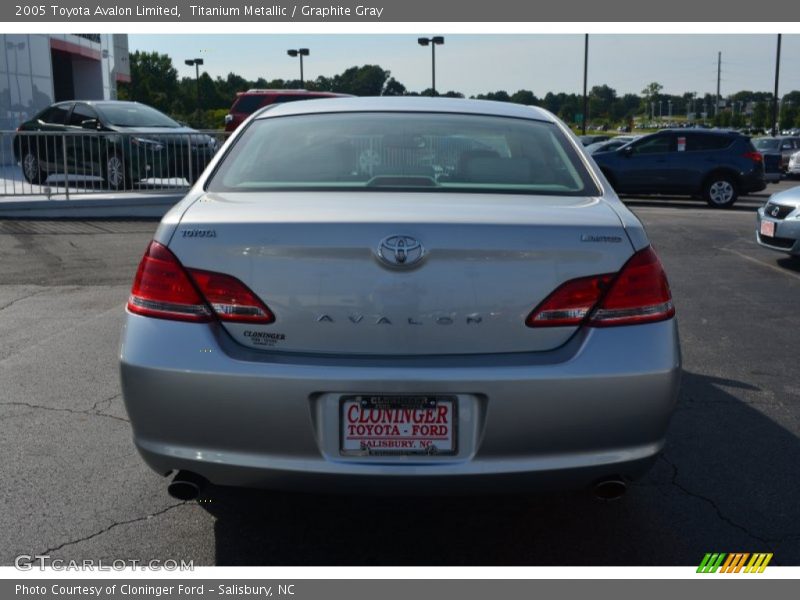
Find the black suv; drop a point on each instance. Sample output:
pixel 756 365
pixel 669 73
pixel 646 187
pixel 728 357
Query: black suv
pixel 122 142
pixel 714 164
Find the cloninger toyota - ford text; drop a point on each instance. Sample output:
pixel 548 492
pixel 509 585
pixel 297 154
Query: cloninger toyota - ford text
pixel 400 295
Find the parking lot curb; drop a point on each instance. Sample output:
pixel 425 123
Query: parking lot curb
pixel 118 206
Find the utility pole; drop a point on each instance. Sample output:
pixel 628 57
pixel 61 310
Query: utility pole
pixel 774 127
pixel 719 74
pixel 585 74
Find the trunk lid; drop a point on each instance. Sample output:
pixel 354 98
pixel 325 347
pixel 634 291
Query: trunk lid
pixel 313 259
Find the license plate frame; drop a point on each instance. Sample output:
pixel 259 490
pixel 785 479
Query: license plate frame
pixel 767 228
pixel 396 402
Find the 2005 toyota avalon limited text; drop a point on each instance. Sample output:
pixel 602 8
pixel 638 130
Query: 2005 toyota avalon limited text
pixel 403 295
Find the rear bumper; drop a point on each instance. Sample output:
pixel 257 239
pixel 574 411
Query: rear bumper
pixel 753 183
pixel 597 407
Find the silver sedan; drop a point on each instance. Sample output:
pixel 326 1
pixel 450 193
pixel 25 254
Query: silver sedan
pixel 778 222
pixel 400 295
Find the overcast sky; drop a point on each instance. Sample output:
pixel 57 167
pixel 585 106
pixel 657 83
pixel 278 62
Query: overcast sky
pixel 473 64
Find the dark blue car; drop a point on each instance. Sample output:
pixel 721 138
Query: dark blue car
pixel 716 165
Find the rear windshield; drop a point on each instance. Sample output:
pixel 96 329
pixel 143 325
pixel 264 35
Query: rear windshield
pixel 767 144
pixel 424 151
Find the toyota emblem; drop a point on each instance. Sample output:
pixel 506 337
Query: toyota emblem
pixel 775 211
pixel 400 251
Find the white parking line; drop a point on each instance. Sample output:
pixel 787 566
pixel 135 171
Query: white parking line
pixel 763 264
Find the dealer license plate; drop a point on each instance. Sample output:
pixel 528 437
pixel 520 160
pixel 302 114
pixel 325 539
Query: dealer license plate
pixel 396 425
pixel 768 228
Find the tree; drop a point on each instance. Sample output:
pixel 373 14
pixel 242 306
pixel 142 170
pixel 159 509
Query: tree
pixel 788 114
pixel 601 100
pixel 394 88
pixel 154 80
pixel 651 94
pixel 367 80
pixel 524 97
pixel 498 96
pixel 631 104
pixel 760 115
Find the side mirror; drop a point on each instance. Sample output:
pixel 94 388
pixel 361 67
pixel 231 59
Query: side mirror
pixel 626 150
pixel 90 124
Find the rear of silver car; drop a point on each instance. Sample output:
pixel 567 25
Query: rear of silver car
pixel 395 338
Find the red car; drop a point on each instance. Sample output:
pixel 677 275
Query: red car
pixel 248 102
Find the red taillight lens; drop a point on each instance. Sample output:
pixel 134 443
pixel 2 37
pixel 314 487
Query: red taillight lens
pixel 754 156
pixel 570 303
pixel 639 293
pixel 164 289
pixel 230 298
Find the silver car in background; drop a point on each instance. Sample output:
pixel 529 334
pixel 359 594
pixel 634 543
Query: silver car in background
pixel 793 169
pixel 778 222
pixel 400 295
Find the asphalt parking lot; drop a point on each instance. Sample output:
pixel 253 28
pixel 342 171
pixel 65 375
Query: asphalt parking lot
pixel 73 487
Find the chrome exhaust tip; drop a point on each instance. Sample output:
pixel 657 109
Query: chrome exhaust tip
pixel 186 486
pixel 610 489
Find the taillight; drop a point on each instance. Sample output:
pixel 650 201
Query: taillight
pixel 164 289
pixel 570 303
pixel 639 293
pixel 230 298
pixel 754 156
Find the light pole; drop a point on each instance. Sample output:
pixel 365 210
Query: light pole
pixel 775 116
pixel 301 52
pixel 585 75
pixel 434 41
pixel 196 62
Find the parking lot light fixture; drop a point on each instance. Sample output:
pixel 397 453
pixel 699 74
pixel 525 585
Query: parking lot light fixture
pixel 434 41
pixel 301 52
pixel 585 76
pixel 196 62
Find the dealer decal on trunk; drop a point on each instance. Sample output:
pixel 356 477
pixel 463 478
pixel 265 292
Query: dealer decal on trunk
pixel 264 338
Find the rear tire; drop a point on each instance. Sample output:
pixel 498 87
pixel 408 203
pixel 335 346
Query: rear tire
pixel 116 173
pixel 720 191
pixel 31 167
